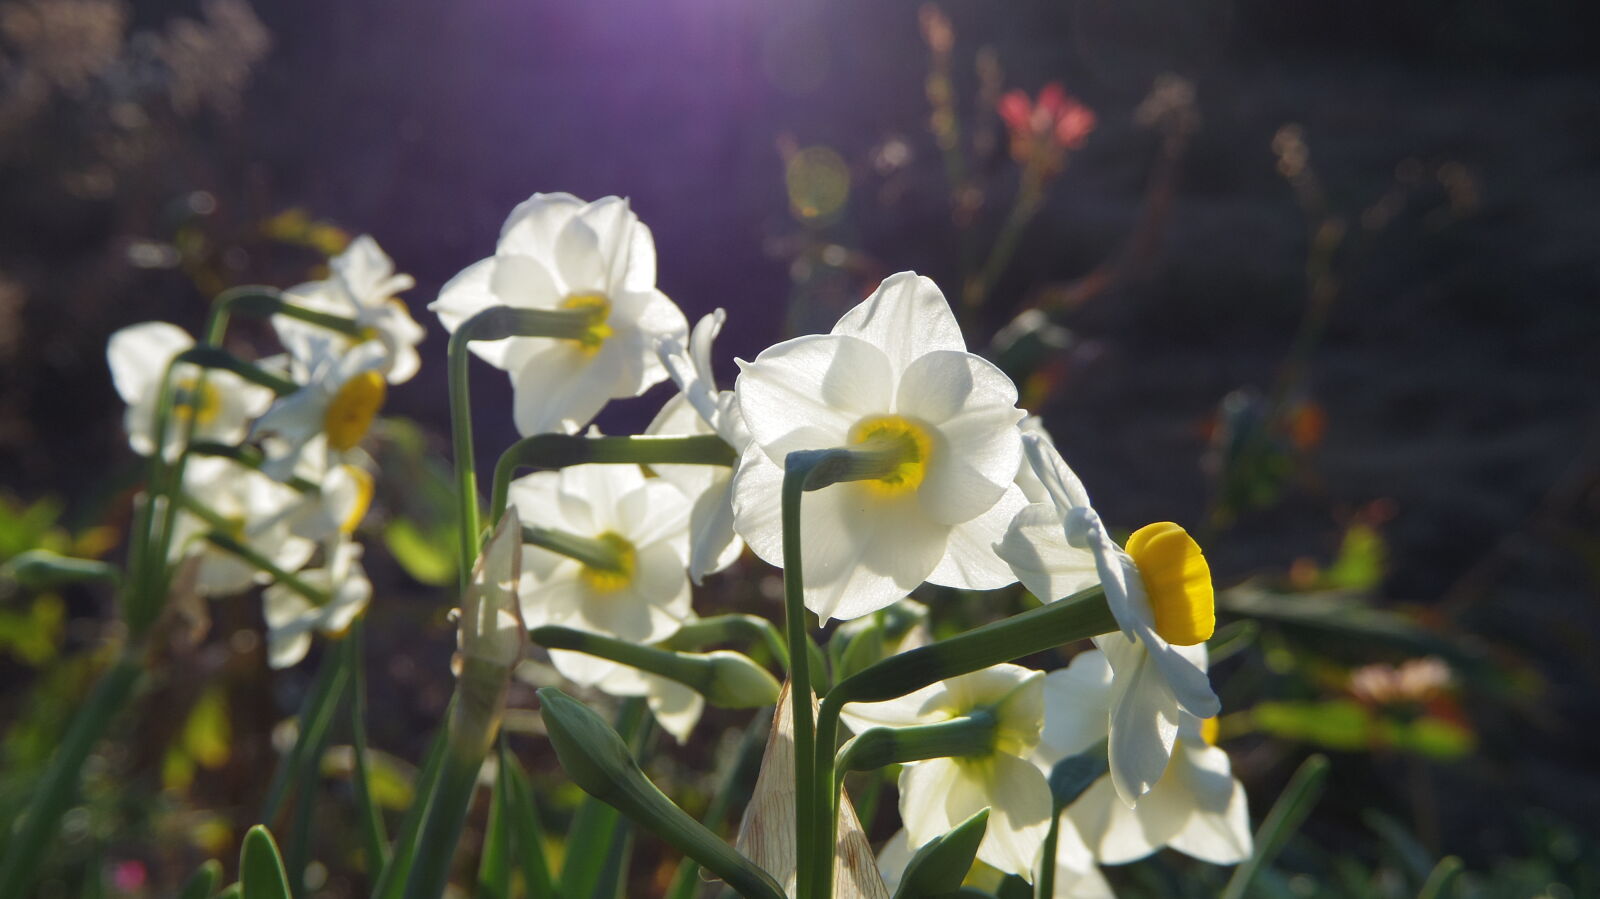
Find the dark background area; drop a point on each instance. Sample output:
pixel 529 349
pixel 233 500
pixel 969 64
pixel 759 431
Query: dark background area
pixel 1458 372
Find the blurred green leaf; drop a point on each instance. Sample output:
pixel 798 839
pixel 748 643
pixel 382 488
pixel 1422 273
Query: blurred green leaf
pixel 428 557
pixel 1337 724
pixel 33 635
pixel 1441 880
pixel 1293 805
pixel 1361 561
pixel 204 882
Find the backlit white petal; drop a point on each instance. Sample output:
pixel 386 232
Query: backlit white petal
pixel 970 561
pixel 906 317
pixel 1144 718
pixel 818 384
pixel 1040 557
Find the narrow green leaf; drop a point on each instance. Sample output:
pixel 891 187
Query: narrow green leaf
pixel 597 826
pixel 1232 639
pixel 261 873
pixel 736 786
pixel 1442 879
pixel 41 569
pixel 526 834
pixel 939 867
pixel 393 880
pixel 597 759
pixel 1294 803
pixel 204 881
pixel 374 840
pixel 315 708
pixel 494 867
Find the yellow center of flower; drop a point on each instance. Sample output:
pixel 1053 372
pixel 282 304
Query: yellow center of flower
pixel 201 400
pixel 612 579
pixel 352 409
pixel 905 437
pixel 599 309
pixel 363 498
pixel 1209 730
pixel 1178 582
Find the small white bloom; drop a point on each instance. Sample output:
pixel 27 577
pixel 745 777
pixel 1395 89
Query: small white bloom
pixel 1159 590
pixel 291 617
pixel 699 408
pixel 362 287
pixel 894 368
pixel 936 795
pixel 260 513
pixel 331 414
pixel 645 521
pixel 1196 806
pixel 558 252
pixel 221 407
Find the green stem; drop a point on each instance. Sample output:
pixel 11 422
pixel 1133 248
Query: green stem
pixel 404 850
pixel 592 552
pixel 796 471
pixel 218 358
pixel 493 323
pixel 249 457
pixel 375 841
pixel 26 845
pixel 1047 867
pixel 732 627
pixel 561 450
pixel 879 747
pixel 294 582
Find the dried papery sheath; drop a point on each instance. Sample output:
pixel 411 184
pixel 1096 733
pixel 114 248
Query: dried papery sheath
pixel 766 835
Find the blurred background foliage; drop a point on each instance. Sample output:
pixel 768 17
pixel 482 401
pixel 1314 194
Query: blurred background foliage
pixel 1316 280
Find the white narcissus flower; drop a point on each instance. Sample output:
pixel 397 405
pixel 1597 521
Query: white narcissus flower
pixel 331 414
pixel 1196 806
pixel 259 512
pixel 291 617
pixel 220 408
pixel 1158 589
pixel 362 287
pixel 558 252
pixel 699 408
pixel 936 795
pixel 645 522
pixel 894 370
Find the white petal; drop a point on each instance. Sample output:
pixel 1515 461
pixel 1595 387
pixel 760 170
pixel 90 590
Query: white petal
pixel 1019 819
pixel 1144 718
pixel 524 282
pixel 806 393
pixel 532 226
pixel 1218 830
pixel 970 561
pixel 1058 479
pixel 893 858
pixel 578 260
pixel 563 389
pixel 1077 705
pixel 926 789
pixel 139 354
pixel 1184 670
pixel 928 705
pixel 905 317
pixel 677 708
pixel 1109 826
pixel 655 511
pixel 1040 556
pixel 862 553
pixel 1077 876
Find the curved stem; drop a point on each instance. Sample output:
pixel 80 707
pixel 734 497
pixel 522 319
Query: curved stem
pixel 796 471
pixel 560 450
pixel 493 323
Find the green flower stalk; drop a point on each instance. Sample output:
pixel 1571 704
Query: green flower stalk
pixel 491 638
pixel 726 679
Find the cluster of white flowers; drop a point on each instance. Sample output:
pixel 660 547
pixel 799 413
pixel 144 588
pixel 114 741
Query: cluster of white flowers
pixel 978 498
pixel 296 484
pixel 966 492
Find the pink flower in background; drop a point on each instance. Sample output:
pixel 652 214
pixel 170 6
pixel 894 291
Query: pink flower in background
pixel 1048 126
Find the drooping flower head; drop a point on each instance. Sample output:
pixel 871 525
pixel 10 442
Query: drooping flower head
pixel 249 507
pixel 361 287
pixel 219 405
pixel 558 252
pixel 938 794
pixel 894 371
pixel 1158 589
pixel 291 616
pixel 699 408
pixel 1196 806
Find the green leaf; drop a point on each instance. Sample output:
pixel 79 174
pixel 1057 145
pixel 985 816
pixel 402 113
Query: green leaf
pixel 1442 878
pixel 1337 724
pixel 939 867
pixel 1071 776
pixel 41 569
pixel 599 762
pixel 527 837
pixel 204 881
pixel 428 557
pixel 597 828
pixel 1294 803
pixel 865 648
pixel 261 873
pixel 494 867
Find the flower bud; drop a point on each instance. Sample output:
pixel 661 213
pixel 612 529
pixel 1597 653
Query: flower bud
pixel 737 682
